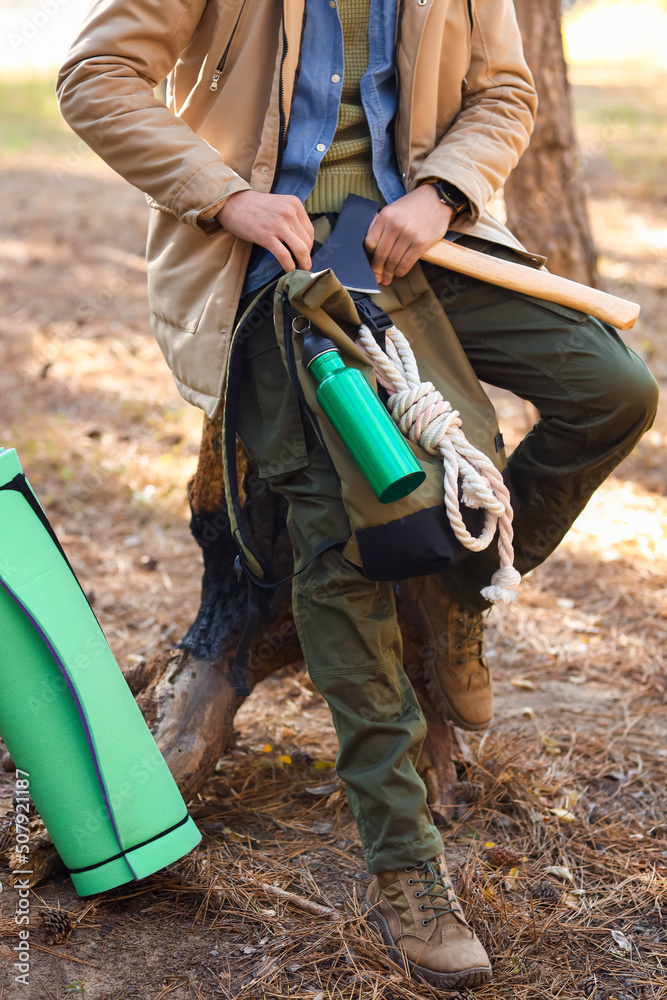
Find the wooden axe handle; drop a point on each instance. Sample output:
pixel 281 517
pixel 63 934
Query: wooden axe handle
pixel 518 278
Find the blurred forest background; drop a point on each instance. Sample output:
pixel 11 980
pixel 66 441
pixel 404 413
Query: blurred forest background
pixel 579 663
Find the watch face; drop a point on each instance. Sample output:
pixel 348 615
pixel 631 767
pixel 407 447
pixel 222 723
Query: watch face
pixel 451 195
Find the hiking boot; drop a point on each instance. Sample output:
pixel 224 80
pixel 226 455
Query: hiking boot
pixel 419 917
pixel 455 670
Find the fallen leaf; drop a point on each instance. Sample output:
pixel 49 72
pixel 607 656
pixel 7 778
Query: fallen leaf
pixel 563 814
pixel 237 838
pixel 562 873
pixel 621 940
pixel 285 759
pixel 527 712
pixel 321 765
pixel 490 894
pixel 267 748
pixel 571 900
pixel 326 789
pixel 511 881
pixel 571 798
pixel 523 683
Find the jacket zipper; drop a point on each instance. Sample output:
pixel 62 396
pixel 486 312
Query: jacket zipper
pixel 399 18
pixel 470 14
pixel 221 65
pixel 283 117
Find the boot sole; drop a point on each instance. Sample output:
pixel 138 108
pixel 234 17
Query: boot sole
pixel 441 702
pixel 476 976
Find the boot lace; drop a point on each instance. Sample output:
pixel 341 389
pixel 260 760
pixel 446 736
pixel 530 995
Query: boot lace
pixel 471 635
pixel 436 888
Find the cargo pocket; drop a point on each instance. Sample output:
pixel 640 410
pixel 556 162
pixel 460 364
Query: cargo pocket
pixel 270 421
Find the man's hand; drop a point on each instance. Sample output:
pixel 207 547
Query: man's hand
pixel 401 232
pixel 276 221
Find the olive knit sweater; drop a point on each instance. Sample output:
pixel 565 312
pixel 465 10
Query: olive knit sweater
pixel 347 167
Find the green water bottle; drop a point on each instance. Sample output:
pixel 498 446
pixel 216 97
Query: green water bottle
pixel 365 427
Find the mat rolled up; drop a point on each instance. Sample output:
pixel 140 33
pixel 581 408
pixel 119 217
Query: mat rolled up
pixel 68 718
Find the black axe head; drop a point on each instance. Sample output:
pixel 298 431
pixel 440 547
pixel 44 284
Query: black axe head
pixel 344 252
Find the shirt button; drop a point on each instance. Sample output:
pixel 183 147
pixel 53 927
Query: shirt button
pixel 265 170
pixel 320 147
pixel 335 78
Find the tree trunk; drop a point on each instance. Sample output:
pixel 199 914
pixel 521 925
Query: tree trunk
pixel 546 204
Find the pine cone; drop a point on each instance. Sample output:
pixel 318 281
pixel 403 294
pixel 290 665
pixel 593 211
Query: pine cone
pixel 468 791
pixel 503 857
pixel 545 892
pixel 56 926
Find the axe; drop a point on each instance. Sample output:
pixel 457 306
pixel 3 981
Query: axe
pixel 343 252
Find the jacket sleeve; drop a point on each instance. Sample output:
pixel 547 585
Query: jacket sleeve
pixel 105 93
pixel 498 106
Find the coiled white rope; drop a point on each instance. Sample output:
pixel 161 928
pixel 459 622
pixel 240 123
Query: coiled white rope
pixel 425 417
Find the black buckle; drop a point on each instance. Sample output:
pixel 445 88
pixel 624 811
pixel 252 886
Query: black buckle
pixel 371 315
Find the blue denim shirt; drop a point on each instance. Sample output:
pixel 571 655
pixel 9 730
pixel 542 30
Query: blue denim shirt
pixel 314 112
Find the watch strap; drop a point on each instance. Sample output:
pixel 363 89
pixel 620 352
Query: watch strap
pixel 450 195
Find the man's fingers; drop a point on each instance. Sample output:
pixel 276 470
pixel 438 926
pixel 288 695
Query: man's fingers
pixel 374 233
pixel 300 249
pixel 281 253
pixel 408 260
pixel 301 233
pixel 305 224
pixel 382 250
pixel 289 249
pixel 393 258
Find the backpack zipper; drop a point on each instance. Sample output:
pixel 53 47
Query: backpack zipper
pixel 223 59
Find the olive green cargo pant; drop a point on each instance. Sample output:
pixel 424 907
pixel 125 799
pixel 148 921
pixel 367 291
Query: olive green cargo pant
pixel 595 398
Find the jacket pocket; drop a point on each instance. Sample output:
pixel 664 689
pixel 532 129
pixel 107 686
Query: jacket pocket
pixel 220 66
pixel 183 269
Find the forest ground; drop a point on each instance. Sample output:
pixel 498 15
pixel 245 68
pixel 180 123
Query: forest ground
pixel 572 773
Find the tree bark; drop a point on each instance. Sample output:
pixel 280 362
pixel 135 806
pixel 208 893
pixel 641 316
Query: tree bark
pixel 545 199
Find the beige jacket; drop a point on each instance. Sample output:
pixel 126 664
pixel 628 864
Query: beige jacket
pixel 466 109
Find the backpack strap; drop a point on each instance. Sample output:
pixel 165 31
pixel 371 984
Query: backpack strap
pixel 248 562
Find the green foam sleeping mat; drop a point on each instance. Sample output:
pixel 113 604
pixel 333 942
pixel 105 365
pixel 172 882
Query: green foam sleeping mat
pixel 67 716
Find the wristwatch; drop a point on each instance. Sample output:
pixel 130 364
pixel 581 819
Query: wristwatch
pixel 450 195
